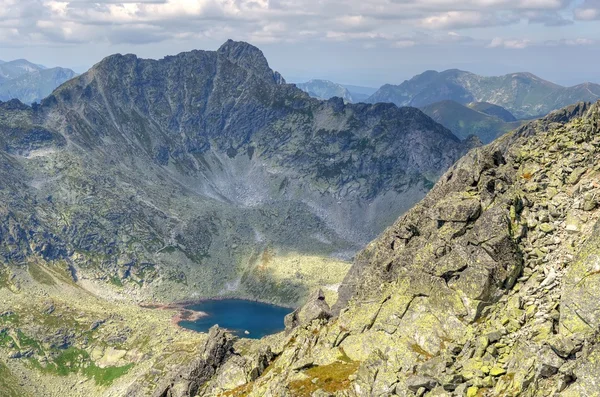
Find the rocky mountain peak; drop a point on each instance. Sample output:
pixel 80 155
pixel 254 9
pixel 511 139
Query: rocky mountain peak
pixel 250 58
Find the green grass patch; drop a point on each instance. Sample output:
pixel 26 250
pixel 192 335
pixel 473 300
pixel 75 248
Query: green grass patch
pixel 11 318
pixel 27 342
pixel 331 378
pixel 106 376
pixel 4 278
pixel 74 360
pixel 5 339
pixel 40 275
pixel 116 281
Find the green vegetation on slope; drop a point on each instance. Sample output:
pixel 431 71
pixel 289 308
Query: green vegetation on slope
pixel 464 121
pixel 74 360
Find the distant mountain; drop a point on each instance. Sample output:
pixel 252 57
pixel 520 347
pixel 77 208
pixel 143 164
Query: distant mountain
pixel 324 89
pixel 357 89
pixel 522 94
pixel 13 69
pixel 464 121
pixel 493 110
pixel 360 93
pixel 29 82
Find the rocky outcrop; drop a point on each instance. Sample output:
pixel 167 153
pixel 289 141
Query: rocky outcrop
pixel 316 308
pixel 486 287
pixel 189 380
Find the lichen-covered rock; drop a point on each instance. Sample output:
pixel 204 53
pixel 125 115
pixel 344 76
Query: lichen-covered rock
pixel 486 287
pixel 193 376
pixel 316 308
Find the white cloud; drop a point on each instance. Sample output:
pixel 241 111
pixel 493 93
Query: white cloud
pixel 392 21
pixel 587 14
pixel 514 44
pixel 467 19
pixel 589 10
pixel 404 43
pixel 572 42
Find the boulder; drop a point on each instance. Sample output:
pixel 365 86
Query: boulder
pixel 415 382
pixel 316 308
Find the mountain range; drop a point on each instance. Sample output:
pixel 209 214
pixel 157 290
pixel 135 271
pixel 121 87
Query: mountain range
pixel 198 175
pixel 418 263
pixel 523 94
pixel 28 82
pixel 466 103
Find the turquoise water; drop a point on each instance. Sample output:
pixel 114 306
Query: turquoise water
pixel 238 315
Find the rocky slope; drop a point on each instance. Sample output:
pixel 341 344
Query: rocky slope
pixel 29 82
pixel 526 96
pixel 204 174
pixel 464 121
pixel 487 287
pixel 64 338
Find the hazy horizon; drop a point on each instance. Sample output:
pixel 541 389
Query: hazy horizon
pixel 367 43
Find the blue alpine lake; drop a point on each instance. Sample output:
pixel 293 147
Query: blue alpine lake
pixel 239 316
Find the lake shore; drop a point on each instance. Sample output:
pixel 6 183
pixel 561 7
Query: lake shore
pixel 243 317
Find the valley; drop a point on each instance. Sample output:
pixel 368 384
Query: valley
pixel 196 176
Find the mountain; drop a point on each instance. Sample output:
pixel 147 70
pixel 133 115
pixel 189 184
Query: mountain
pixel 522 94
pixel 357 89
pixel 493 110
pixel 323 89
pixel 464 121
pixel 488 286
pixel 28 82
pixel 198 175
pixel 17 68
pixel 33 87
pixel 213 149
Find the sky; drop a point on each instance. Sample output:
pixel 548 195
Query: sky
pixel 361 42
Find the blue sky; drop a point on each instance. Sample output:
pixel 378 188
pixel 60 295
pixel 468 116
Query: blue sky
pixel 364 42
